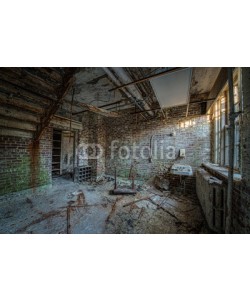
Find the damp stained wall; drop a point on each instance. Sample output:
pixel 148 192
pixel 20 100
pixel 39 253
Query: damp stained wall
pixel 191 134
pixel 23 163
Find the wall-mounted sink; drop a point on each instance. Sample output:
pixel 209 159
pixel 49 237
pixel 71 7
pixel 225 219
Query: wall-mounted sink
pixel 185 170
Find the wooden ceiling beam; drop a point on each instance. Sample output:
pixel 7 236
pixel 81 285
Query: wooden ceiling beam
pixel 30 86
pixel 7 123
pixel 18 114
pixel 102 106
pixel 48 75
pixel 20 103
pixel 12 91
pixel 29 76
pixel 66 86
pixel 100 111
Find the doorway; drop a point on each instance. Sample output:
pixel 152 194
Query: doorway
pixel 63 153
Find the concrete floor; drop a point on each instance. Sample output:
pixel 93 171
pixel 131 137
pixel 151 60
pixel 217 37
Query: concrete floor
pixel 45 211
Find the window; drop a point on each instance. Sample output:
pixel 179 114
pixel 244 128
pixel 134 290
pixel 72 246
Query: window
pixel 220 117
pixel 237 128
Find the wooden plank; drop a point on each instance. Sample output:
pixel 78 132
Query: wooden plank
pixel 18 114
pixel 53 73
pixel 8 88
pixel 17 102
pixel 100 111
pixel 48 76
pixel 17 125
pixel 13 132
pixel 67 84
pixel 27 83
pixel 63 122
pixel 28 78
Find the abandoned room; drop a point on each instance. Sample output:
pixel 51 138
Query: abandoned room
pixel 136 150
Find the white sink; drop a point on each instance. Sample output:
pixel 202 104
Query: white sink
pixel 185 170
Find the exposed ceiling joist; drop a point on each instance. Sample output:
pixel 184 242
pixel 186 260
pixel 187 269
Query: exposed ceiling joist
pixel 116 82
pixel 17 102
pixel 7 123
pixel 27 84
pixel 49 77
pixel 20 92
pixel 67 84
pixel 100 111
pixel 18 114
pixel 62 122
pixel 105 105
pixel 147 78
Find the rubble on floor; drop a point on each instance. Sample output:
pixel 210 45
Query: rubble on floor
pixel 70 207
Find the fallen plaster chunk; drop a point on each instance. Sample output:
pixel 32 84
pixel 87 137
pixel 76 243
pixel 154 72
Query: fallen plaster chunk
pixel 161 183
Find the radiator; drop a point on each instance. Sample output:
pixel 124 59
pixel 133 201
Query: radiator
pixel 212 195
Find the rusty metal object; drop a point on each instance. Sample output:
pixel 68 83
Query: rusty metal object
pixel 133 182
pixel 105 105
pixel 113 209
pixel 124 191
pixel 43 217
pixel 115 180
pixel 138 200
pixel 141 212
pixel 68 219
pixel 80 199
pixel 69 209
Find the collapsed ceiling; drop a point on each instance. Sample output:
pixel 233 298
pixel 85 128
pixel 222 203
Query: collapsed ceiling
pixel 31 97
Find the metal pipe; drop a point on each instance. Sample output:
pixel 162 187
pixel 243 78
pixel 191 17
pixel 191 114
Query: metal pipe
pixel 153 109
pixel 147 78
pixel 231 140
pixel 117 82
pixel 124 77
pixel 115 186
pixel 105 105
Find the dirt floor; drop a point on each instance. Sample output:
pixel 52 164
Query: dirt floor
pixel 149 211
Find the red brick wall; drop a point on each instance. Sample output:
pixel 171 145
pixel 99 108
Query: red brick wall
pixel 23 164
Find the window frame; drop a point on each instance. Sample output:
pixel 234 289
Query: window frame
pixel 220 118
